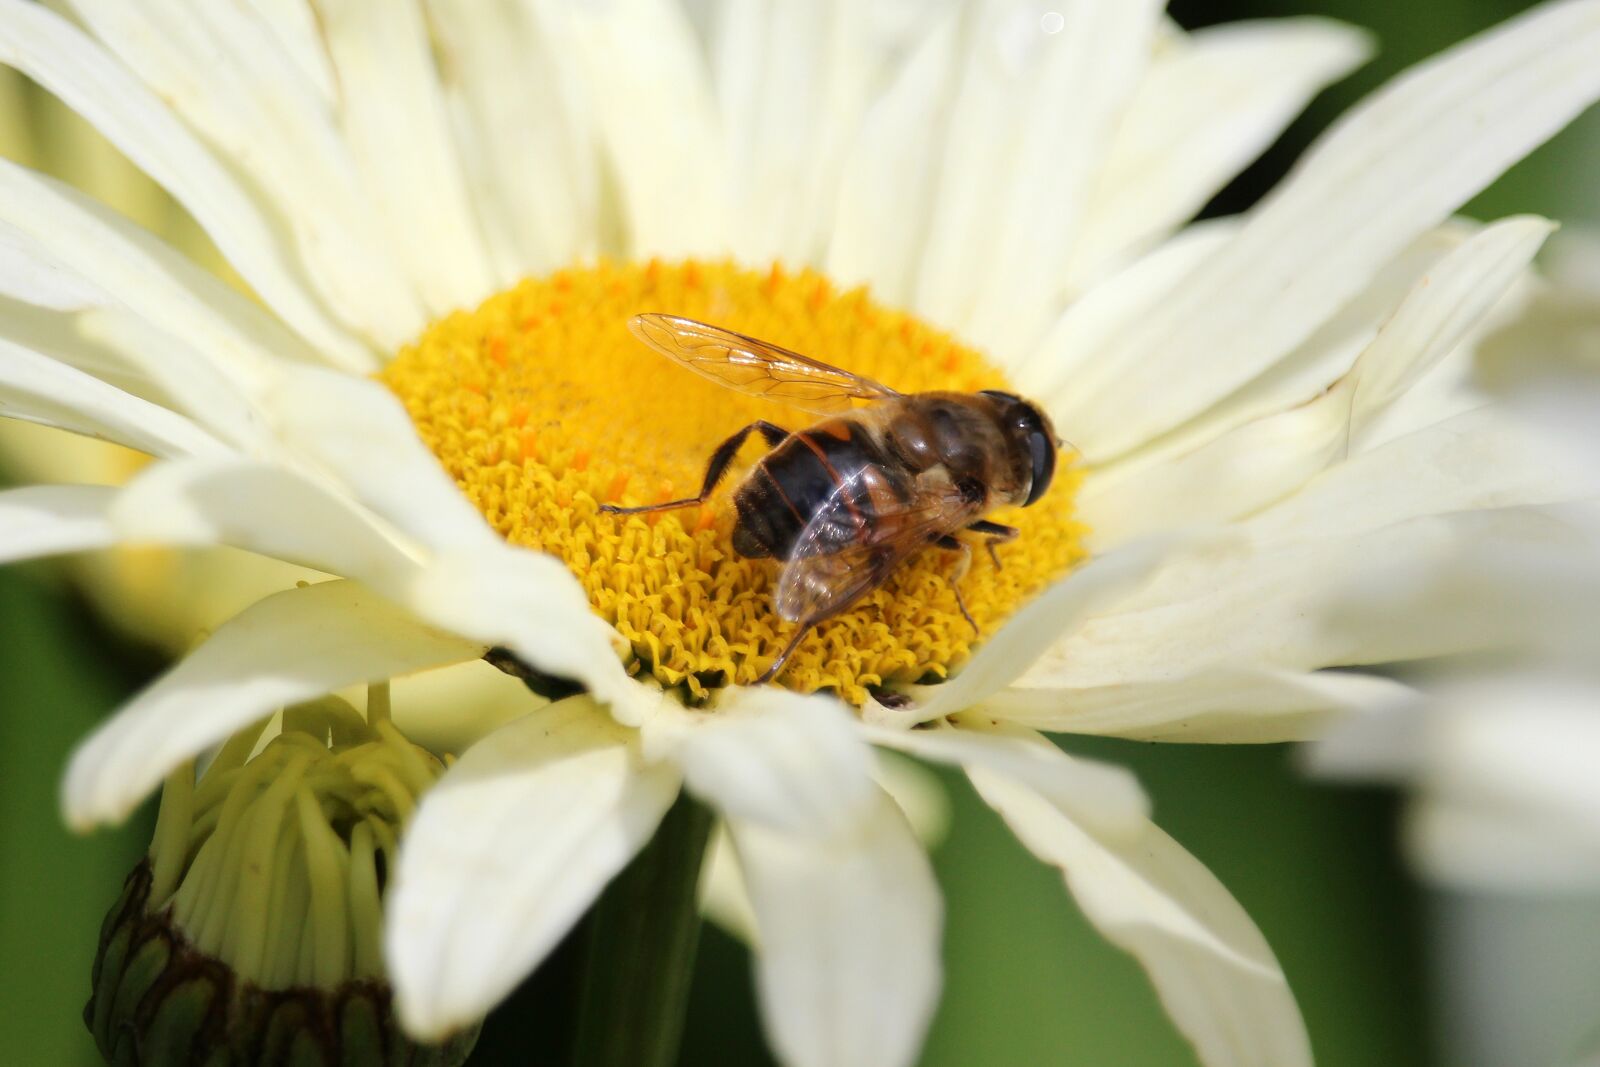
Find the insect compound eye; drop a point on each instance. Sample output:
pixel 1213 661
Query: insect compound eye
pixel 1042 451
pixel 1027 426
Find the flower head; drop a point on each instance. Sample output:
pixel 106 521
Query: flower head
pixel 1243 395
pixel 542 406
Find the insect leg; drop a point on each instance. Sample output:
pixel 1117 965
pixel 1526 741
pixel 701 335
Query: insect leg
pixel 777 665
pixel 715 469
pixel 955 544
pixel 773 434
pixel 998 533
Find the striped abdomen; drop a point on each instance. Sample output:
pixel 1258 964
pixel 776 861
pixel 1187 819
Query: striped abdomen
pixel 799 477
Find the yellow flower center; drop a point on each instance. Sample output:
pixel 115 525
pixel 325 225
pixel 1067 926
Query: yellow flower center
pixel 543 406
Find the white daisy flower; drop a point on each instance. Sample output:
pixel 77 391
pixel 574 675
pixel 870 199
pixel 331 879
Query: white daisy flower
pixel 1239 392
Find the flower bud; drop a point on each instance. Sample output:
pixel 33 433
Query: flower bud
pixel 252 931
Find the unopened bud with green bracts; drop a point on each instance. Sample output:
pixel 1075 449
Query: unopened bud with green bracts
pixel 252 933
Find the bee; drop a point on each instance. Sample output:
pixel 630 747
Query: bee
pixel 844 502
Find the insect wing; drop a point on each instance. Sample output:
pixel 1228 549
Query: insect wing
pixel 818 587
pixel 842 555
pixel 755 367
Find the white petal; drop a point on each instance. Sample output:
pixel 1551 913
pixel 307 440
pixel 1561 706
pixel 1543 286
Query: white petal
pixel 1560 408
pixel 1230 476
pixel 1101 795
pixel 1062 364
pixel 254 103
pixel 1385 746
pixel 658 123
pixel 1265 460
pixel 1270 605
pixel 189 381
pixel 62 336
pixel 525 131
pixel 1452 298
pixel 46 520
pixel 1225 704
pixel 1209 104
pixel 1040 624
pixel 848 970
pixel 475 583
pixel 1457 845
pixel 723 897
pixel 1212 968
pixel 360 432
pixel 261 508
pixel 1507 798
pixel 1516 579
pixel 725 900
pixel 531 604
pixel 772 757
pixel 889 172
pixel 295 27
pixel 1328 354
pixel 1502 774
pixel 772 93
pixel 394 120
pixel 505 854
pixel 56 232
pixel 1048 192
pixel 450 709
pixel 54 53
pixel 1451 387
pixel 291 647
pixel 1066 364
pixel 1477 460
pixel 793 82
pixel 1029 127
pixel 918 792
pixel 38 389
pixel 1392 168
pixel 29 272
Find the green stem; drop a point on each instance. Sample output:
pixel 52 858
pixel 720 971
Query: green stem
pixel 639 949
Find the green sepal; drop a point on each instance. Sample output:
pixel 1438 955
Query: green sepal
pixel 157 1001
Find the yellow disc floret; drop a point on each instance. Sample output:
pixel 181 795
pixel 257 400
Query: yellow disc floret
pixel 543 406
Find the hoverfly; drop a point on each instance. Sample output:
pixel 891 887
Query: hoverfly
pixel 844 502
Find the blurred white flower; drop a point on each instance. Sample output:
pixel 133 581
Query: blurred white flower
pixel 1502 756
pixel 1498 760
pixel 1255 401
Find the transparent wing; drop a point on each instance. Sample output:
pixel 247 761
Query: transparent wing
pixel 754 367
pixel 856 540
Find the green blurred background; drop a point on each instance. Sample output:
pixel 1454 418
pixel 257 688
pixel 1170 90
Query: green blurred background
pixel 1028 983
